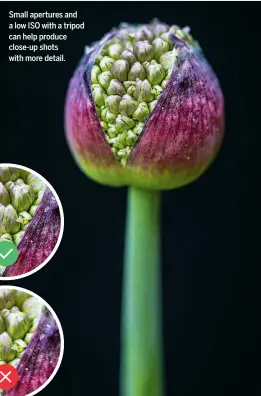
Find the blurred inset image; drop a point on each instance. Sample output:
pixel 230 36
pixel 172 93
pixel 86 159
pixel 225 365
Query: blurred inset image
pixel 31 221
pixel 31 342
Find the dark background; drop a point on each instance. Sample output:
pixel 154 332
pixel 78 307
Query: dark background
pixel 209 228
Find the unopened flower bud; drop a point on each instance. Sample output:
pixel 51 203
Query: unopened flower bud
pixel 39 197
pixel 157 90
pixel 142 112
pixel 143 51
pixel 4 196
pixel 33 308
pixel 159 29
pixel 98 94
pixel 113 102
pixel 22 197
pixel 115 51
pixel 6 352
pixel 152 105
pixel 2 325
pixel 17 324
pixel 20 298
pixel 95 73
pixel 137 71
pixel 107 63
pixel 9 174
pixel 6 237
pixel 123 123
pixel 35 182
pixel 146 94
pixel 128 105
pixel 129 57
pixel 19 345
pixel 168 59
pixel 120 70
pixel 24 217
pixel 107 115
pixel 105 79
pixel 159 47
pixel 28 337
pixel 33 210
pixel 116 88
pixel 9 185
pixel 144 33
pixel 7 299
pixel 10 224
pixel 155 73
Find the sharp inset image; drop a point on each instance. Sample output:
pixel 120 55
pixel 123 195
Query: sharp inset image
pixel 31 342
pixel 31 222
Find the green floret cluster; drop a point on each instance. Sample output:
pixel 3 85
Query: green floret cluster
pixel 19 317
pixel 128 77
pixel 20 194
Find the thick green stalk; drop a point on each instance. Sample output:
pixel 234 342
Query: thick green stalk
pixel 141 365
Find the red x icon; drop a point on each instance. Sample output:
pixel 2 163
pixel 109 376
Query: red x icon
pixel 8 376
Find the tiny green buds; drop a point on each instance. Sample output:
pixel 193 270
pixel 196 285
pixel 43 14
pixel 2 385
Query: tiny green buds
pixel 17 325
pixel 6 352
pixel 22 197
pixel 33 308
pixel 137 71
pixel 120 70
pixel 113 102
pixel 158 72
pixel 4 196
pixel 7 298
pixel 127 105
pixel 116 88
pixel 143 51
pixel 8 222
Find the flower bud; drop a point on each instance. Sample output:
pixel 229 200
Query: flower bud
pixel 142 112
pixel 157 90
pixel 115 51
pixel 2 325
pixel 95 74
pixel 9 174
pixel 123 123
pixel 19 182
pixel 155 73
pixel 24 217
pixel 116 88
pixel 137 71
pixel 4 196
pixel 105 79
pixel 6 237
pixel 113 102
pixel 129 57
pixel 146 94
pixel 35 182
pixel 159 47
pixel 144 33
pixel 98 95
pixel 120 70
pixel 19 345
pixel 159 29
pixel 33 308
pixel 22 197
pixel 106 64
pixel 152 105
pixel 128 105
pixel 168 59
pixel 33 210
pixel 17 324
pixel 20 298
pixel 28 337
pixel 143 51
pixel 9 185
pixel 10 224
pixel 108 116
pixel 39 198
pixel 6 352
pixel 18 237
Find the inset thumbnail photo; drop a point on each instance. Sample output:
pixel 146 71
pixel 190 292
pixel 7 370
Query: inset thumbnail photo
pixel 31 342
pixel 31 221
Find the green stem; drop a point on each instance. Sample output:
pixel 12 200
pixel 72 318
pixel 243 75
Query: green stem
pixel 141 365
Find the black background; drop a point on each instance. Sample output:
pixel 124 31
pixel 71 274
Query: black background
pixel 209 228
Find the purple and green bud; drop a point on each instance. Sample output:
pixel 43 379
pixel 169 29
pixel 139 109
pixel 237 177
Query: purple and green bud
pixel 167 106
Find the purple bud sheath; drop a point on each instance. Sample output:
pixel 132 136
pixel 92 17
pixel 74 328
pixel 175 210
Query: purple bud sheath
pixel 40 358
pixel 40 237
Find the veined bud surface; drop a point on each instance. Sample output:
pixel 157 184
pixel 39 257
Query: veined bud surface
pixel 156 118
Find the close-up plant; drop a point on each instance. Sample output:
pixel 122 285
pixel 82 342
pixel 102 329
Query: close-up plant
pixel 29 217
pixel 29 340
pixel 145 110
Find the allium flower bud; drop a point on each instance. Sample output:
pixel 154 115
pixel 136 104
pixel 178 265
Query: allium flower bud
pixel 6 352
pixel 137 71
pixel 9 174
pixel 4 196
pixel 106 64
pixel 35 182
pixel 8 220
pixel 18 237
pixel 178 119
pixel 22 197
pixel 33 308
pixel 7 298
pixel 17 325
pixel 143 51
pixel 19 345
pixel 104 79
pixel 120 70
pixel 2 325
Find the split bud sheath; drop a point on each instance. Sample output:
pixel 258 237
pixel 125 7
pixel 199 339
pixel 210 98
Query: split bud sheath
pixel 144 108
